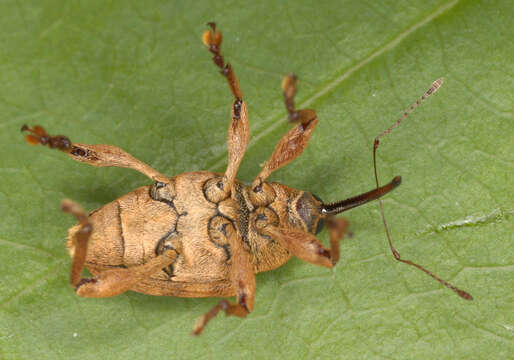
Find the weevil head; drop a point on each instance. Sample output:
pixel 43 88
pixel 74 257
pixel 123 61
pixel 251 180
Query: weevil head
pixel 308 209
pixel 303 210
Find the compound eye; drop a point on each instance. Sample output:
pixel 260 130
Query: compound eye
pixel 321 223
pixel 308 209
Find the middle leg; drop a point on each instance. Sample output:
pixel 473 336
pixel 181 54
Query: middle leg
pixel 239 129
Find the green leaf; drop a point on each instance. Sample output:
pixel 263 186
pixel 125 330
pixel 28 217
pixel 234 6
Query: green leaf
pixel 136 75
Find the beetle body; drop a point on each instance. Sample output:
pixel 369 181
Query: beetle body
pixel 184 214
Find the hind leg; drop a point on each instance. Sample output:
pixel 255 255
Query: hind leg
pixel 108 282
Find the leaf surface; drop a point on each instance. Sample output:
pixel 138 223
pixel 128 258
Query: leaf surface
pixel 136 75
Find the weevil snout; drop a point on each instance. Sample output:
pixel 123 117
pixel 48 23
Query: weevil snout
pixel 347 204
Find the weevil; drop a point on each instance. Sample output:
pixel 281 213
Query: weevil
pixel 206 234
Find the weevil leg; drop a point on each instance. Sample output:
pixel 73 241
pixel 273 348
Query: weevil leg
pixel 242 278
pixel 113 282
pixel 307 247
pixel 80 240
pixel 212 39
pixel 239 129
pixel 295 140
pixel 96 155
pixel 223 305
pixel 109 282
pixel 303 245
pixel 337 227
pixel 238 138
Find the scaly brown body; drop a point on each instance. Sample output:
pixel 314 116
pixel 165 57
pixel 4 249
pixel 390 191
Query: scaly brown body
pixel 180 215
pixel 203 234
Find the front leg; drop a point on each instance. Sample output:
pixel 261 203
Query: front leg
pixel 303 245
pixel 337 227
pixel 96 155
pixel 295 140
pixel 306 246
pixel 239 129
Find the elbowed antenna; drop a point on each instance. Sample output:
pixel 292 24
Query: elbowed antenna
pixel 343 205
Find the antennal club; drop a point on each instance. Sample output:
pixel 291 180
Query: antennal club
pixel 433 88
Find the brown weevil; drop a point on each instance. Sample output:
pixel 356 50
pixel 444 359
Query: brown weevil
pixel 204 234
